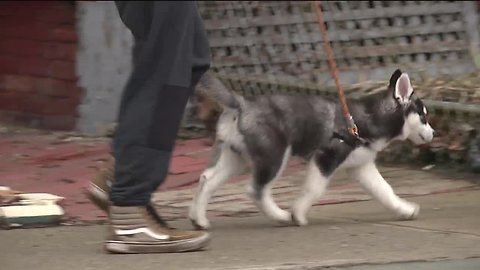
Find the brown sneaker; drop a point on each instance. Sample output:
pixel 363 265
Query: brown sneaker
pixel 135 229
pixel 99 188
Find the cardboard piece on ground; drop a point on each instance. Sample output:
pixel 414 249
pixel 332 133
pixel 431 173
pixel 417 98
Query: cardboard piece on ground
pixel 30 208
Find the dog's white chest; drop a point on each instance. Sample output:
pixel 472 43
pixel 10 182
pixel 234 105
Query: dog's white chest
pixel 363 155
pixel 359 157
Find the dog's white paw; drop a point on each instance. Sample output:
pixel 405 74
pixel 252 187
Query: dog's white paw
pixel 200 223
pixel 408 211
pixel 299 213
pixel 298 219
pixel 282 216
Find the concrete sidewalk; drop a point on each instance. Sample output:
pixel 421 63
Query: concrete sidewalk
pixel 346 228
pixel 339 235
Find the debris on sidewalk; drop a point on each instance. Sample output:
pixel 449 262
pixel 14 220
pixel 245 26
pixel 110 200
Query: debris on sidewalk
pixel 8 196
pixel 428 167
pixel 18 209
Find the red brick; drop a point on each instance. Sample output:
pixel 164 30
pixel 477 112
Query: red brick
pixel 60 51
pixel 48 106
pixel 60 107
pixel 65 33
pixel 63 106
pixel 62 70
pixel 6 117
pixel 56 88
pixel 30 5
pixel 64 13
pixel 6 8
pixel 24 65
pixel 21 47
pixel 60 12
pixel 20 118
pixel 53 122
pixel 48 87
pixel 7 64
pixel 19 83
pixel 20 13
pixel 37 30
pixel 37 67
pixel 41 49
pixel 11 101
pixel 58 122
pixel 18 28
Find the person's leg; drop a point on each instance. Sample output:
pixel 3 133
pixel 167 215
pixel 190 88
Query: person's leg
pixel 155 98
pixel 171 54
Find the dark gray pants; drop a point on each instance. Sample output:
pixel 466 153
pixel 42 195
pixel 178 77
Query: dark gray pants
pixel 171 54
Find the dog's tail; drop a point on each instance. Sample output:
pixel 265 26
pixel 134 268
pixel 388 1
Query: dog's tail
pixel 215 89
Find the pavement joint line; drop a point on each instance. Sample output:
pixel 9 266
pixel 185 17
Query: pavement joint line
pixel 340 263
pixel 424 229
pixel 473 187
pixel 390 224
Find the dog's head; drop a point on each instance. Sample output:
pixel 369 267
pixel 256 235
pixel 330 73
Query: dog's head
pixel 416 127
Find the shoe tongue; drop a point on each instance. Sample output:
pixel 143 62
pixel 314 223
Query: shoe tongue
pixel 151 210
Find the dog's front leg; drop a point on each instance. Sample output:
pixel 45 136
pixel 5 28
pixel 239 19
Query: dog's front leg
pixel 315 185
pixel 373 182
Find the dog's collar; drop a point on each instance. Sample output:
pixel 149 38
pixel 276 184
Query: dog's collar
pixel 353 141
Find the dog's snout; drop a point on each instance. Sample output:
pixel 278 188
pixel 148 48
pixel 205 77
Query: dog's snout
pixel 434 132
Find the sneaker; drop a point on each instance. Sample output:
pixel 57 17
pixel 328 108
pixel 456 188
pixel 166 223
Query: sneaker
pixel 136 229
pixel 99 188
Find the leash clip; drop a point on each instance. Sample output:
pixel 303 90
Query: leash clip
pixel 353 130
pixel 352 127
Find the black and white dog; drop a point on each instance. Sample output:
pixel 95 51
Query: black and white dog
pixel 261 134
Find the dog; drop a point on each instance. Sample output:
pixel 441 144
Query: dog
pixel 259 134
pixel 208 111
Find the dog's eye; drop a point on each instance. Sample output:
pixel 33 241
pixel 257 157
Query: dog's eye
pixel 425 110
pixel 423 118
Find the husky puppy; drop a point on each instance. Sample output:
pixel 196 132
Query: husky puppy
pixel 261 133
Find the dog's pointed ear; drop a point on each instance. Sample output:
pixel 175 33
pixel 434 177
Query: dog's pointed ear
pixel 393 79
pixel 403 89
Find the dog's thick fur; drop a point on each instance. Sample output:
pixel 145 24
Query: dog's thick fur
pixel 208 112
pixel 261 133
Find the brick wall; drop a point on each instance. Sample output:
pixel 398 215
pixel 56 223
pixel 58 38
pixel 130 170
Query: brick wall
pixel 38 44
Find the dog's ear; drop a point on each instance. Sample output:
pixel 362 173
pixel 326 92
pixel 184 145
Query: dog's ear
pixel 403 89
pixel 393 79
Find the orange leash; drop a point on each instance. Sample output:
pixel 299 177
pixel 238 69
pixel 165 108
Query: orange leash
pixel 333 69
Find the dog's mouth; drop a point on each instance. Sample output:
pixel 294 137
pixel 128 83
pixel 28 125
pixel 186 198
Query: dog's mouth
pixel 418 139
pixel 425 139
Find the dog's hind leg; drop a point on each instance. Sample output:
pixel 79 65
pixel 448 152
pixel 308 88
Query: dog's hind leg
pixel 315 186
pixel 373 182
pixel 229 164
pixel 265 172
